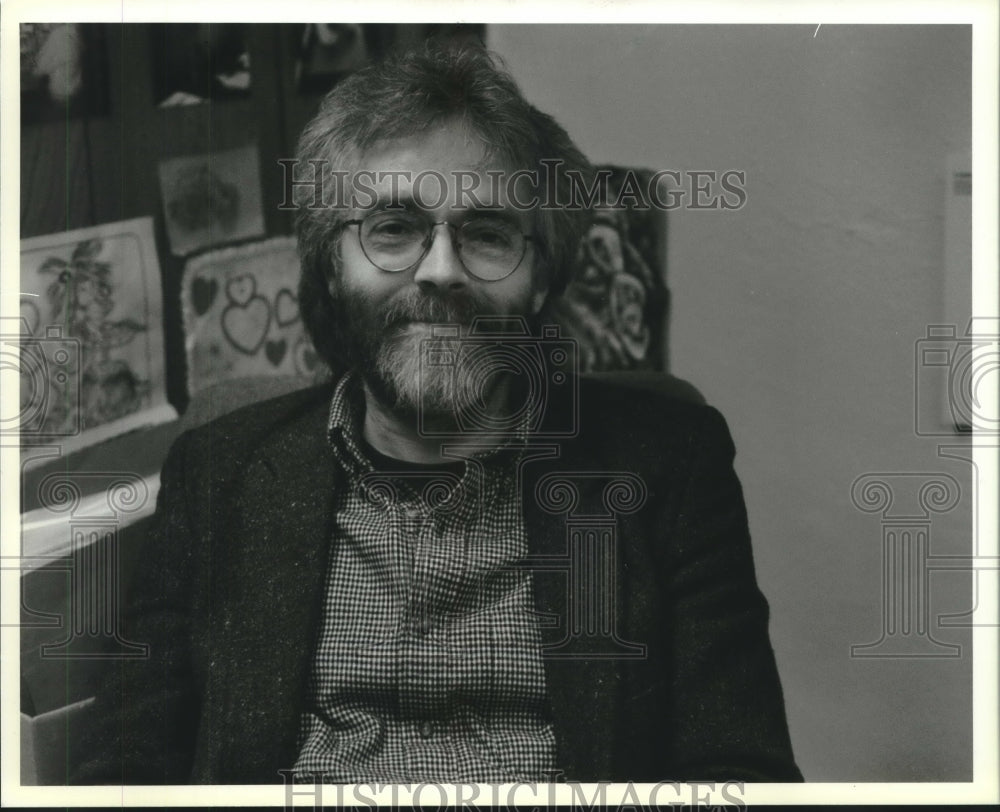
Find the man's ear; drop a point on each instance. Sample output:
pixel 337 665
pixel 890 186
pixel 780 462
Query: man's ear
pixel 332 270
pixel 538 299
pixel 540 287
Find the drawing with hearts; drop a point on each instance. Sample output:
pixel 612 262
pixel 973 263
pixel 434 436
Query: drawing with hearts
pixel 241 315
pixel 247 317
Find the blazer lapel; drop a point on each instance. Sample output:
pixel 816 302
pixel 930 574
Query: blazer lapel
pixel 582 688
pixel 273 588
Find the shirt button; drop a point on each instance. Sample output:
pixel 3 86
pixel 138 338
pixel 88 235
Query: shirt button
pixel 424 626
pixel 427 730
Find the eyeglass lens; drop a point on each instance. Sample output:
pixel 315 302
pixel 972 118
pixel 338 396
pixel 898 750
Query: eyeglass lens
pixel 489 247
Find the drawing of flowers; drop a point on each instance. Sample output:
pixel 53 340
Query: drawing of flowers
pixel 81 299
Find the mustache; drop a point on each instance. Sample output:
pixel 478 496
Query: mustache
pixel 432 307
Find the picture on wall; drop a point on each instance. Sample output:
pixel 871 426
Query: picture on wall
pixel 211 199
pixel 63 71
pixel 241 315
pixel 199 62
pixel 327 52
pixel 91 336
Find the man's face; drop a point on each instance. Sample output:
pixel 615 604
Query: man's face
pixel 384 317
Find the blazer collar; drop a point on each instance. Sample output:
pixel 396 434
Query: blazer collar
pixel 284 512
pixel 583 671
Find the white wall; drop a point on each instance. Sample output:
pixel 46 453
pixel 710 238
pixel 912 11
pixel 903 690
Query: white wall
pixel 797 317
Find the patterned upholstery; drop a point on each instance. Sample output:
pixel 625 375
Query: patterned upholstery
pixel 616 304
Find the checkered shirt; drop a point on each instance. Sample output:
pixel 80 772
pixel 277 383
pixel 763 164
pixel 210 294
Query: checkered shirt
pixel 428 664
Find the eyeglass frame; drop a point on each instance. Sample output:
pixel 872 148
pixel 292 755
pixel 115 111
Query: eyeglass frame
pixel 429 242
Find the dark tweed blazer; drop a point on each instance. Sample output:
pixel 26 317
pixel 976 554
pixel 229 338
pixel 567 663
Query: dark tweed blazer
pixel 229 591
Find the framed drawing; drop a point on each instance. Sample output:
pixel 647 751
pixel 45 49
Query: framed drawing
pixel 90 334
pixel 212 198
pixel 241 315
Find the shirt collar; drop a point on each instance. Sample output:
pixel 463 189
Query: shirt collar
pixel 344 429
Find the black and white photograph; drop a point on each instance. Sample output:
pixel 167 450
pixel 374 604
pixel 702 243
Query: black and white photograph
pixel 533 405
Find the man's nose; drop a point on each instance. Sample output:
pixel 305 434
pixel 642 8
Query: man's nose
pixel 442 267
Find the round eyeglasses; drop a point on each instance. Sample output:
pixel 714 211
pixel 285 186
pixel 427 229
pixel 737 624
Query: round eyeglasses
pixel 491 248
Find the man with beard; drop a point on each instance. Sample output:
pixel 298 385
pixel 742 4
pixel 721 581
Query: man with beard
pixel 379 580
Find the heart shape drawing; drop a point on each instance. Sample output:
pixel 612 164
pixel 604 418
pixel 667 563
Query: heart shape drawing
pixel 286 308
pixel 30 316
pixel 275 351
pixel 203 293
pixel 245 326
pixel 241 289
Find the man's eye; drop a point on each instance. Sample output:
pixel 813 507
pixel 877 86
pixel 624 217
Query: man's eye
pixel 490 235
pixel 394 228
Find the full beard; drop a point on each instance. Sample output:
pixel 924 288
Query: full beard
pixel 408 359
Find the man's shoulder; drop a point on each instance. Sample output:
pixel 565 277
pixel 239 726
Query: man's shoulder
pixel 303 411
pixel 616 416
pixel 653 401
pixel 644 422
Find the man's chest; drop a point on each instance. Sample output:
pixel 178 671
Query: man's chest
pixel 428 660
